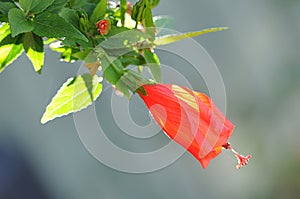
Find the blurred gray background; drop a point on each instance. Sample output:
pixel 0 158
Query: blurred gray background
pixel 259 62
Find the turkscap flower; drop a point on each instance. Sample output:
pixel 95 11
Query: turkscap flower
pixel 191 119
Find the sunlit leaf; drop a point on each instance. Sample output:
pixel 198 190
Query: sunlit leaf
pixel 10 49
pixel 75 94
pixel 34 49
pixel 4 31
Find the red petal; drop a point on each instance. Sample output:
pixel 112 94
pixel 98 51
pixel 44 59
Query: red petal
pixel 189 118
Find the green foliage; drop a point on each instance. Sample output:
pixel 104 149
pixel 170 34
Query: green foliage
pixel 123 6
pixel 19 22
pixel 4 31
pixel 34 48
pixel 125 41
pixel 75 94
pixel 10 49
pixel 56 6
pixel 70 28
pixel 4 9
pixel 99 11
pixel 34 6
pixel 51 25
pixel 141 12
pixel 153 64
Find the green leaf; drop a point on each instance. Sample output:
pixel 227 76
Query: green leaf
pixel 153 64
pixel 35 6
pixel 74 43
pixel 82 54
pixel 132 58
pixel 34 48
pixel 77 3
pixel 131 80
pixel 137 10
pixel 123 7
pixel 4 31
pixel 56 6
pixel 99 11
pixel 154 3
pixel 66 53
pixel 19 23
pixel 148 19
pixel 10 49
pixel 5 7
pixel 167 39
pixel 70 16
pixel 148 22
pixel 124 42
pixel 75 94
pixel 53 26
pixel 112 69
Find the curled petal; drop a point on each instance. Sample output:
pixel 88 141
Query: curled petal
pixel 189 118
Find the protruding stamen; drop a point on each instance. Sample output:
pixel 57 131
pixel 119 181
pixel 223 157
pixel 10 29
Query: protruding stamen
pixel 242 160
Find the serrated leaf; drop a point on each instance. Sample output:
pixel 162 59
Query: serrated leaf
pixel 75 94
pixel 10 49
pixel 34 48
pixel 99 11
pixel 19 23
pixel 53 26
pixel 56 6
pixel 35 6
pixel 153 64
pixel 167 39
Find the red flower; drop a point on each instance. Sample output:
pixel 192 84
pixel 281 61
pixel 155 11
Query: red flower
pixel 103 26
pixel 191 119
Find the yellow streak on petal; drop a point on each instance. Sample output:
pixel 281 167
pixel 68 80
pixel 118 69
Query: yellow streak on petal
pixel 185 96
